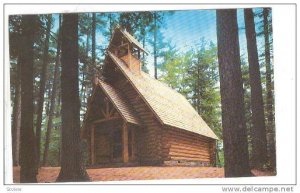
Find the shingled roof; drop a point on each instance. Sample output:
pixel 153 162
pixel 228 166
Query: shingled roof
pixel 117 99
pixel 170 107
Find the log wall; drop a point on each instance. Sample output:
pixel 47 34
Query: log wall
pixel 182 146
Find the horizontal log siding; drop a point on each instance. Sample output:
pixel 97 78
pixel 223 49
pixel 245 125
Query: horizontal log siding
pixel 180 145
pixel 149 137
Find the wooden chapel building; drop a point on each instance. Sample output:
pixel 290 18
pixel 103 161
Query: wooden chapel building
pixel 134 119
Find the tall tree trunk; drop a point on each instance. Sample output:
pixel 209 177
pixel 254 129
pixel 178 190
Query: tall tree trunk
pixel 87 65
pixel 53 96
pixel 58 157
pixel 198 87
pixel 28 142
pixel 72 167
pixel 94 40
pixel 16 119
pixel 259 140
pixel 48 91
pixel 42 89
pixel 110 25
pixel 85 88
pixel 269 88
pixel 93 66
pixel 154 46
pixel 231 85
pixel 269 100
pixel 144 42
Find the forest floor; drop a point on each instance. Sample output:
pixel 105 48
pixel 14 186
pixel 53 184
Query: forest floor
pixel 49 174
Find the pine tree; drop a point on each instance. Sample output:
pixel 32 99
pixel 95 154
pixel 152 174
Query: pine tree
pixel 94 41
pixel 154 44
pixel 43 80
pixel 14 40
pixel 259 141
pixel 269 87
pixel 16 121
pixel 156 24
pixel 72 167
pixel 53 97
pixel 233 119
pixel 28 145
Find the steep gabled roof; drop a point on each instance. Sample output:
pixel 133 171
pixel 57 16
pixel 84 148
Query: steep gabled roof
pixel 129 37
pixel 170 107
pixel 117 99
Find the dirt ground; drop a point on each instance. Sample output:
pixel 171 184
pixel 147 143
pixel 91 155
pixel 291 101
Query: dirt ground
pixel 49 174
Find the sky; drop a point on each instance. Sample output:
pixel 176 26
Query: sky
pixel 185 29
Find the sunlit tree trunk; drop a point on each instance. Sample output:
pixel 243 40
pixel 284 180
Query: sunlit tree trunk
pixel 16 120
pixel 52 101
pixel 269 88
pixel 42 88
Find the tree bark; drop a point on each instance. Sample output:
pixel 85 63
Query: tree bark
pixel 259 140
pixel 53 96
pixel 93 66
pixel 231 86
pixel 72 167
pixel 144 42
pixel 270 117
pixel 270 99
pixel 85 88
pixel 16 119
pixel 48 91
pixel 154 46
pixel 110 25
pixel 94 40
pixel 42 88
pixel 198 88
pixel 28 142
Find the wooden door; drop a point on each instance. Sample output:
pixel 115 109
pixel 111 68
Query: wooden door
pixel 132 149
pixel 103 149
pixel 117 145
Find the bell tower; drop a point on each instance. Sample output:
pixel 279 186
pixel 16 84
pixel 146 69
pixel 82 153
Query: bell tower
pixel 127 48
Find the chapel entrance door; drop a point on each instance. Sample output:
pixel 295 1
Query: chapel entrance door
pixel 117 145
pixel 103 148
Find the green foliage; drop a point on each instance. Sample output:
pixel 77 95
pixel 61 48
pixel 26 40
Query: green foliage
pixel 54 146
pixel 195 75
